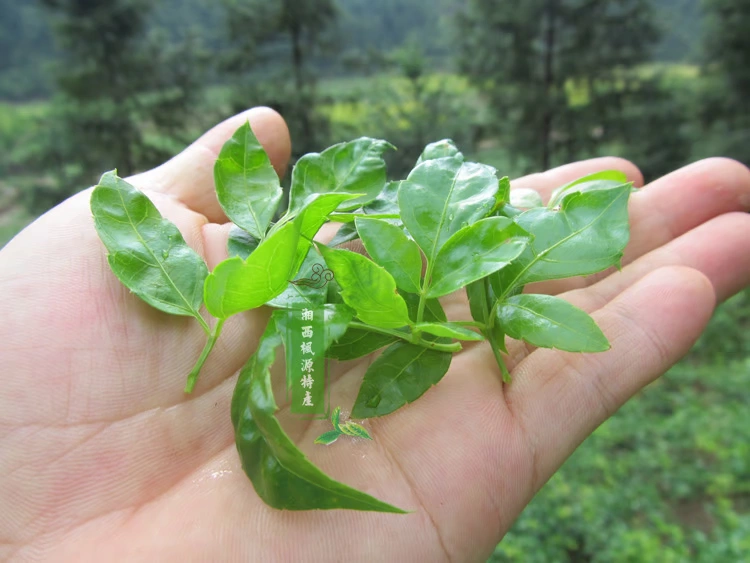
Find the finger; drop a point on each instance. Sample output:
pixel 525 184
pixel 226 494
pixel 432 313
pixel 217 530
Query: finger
pixel 189 175
pixel 671 206
pixel 717 249
pixel 682 200
pixel 560 398
pixel 546 182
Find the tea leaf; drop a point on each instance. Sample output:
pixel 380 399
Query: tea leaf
pixel 246 183
pixel 503 192
pixel 442 196
pixel 346 233
pixel 147 252
pixel 386 202
pixel 353 429
pixel 367 288
pixel 336 320
pixel 335 417
pixel 550 322
pixel 400 375
pixel 481 300
pixel 281 474
pixel 440 149
pixel 599 180
pixel 389 247
pixel 238 285
pixel 475 252
pixel 311 217
pixel 240 242
pixel 311 288
pixel 357 343
pixel 356 167
pixel 586 236
pixel 449 330
pixel 315 212
pixel 328 438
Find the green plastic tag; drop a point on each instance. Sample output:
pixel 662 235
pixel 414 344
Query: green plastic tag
pixel 305 361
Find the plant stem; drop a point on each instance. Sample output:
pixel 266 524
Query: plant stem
pixel 203 323
pixel 213 337
pixel 453 347
pixel 423 294
pixel 498 359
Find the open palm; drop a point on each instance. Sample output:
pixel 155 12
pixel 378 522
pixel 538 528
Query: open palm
pixel 104 458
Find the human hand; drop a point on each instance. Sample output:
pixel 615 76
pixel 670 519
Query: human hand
pixel 104 457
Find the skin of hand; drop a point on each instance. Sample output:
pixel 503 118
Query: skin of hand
pixel 103 458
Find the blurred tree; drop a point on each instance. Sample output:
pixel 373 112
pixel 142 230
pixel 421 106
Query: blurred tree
pixel 390 24
pixel 556 72
pixel 25 48
pixel 124 93
pixel 263 32
pixel 725 100
pixel 418 107
pixel 681 26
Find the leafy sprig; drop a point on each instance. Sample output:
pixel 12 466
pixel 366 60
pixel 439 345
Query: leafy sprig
pixel 451 225
pixel 348 428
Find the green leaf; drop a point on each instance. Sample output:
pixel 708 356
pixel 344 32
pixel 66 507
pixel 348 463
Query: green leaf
pixel 238 285
pixel 335 417
pixel 281 474
pixel 356 167
pixel 587 235
pixel 449 330
pixel 357 343
pixel 475 252
pixel 433 310
pixel 442 196
pixel 246 183
pixel 315 212
pixel 400 375
pixel 240 242
pixel 308 220
pixel 598 181
pixel 346 233
pixel 310 289
pixel 147 252
pixel 503 192
pixel 386 202
pixel 389 247
pixel 440 149
pixel 525 198
pixel 479 305
pixel 367 288
pixel 351 217
pixel 311 217
pixel 336 319
pixel 481 299
pixel 328 438
pixel 496 338
pixel 353 429
pixel 550 322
